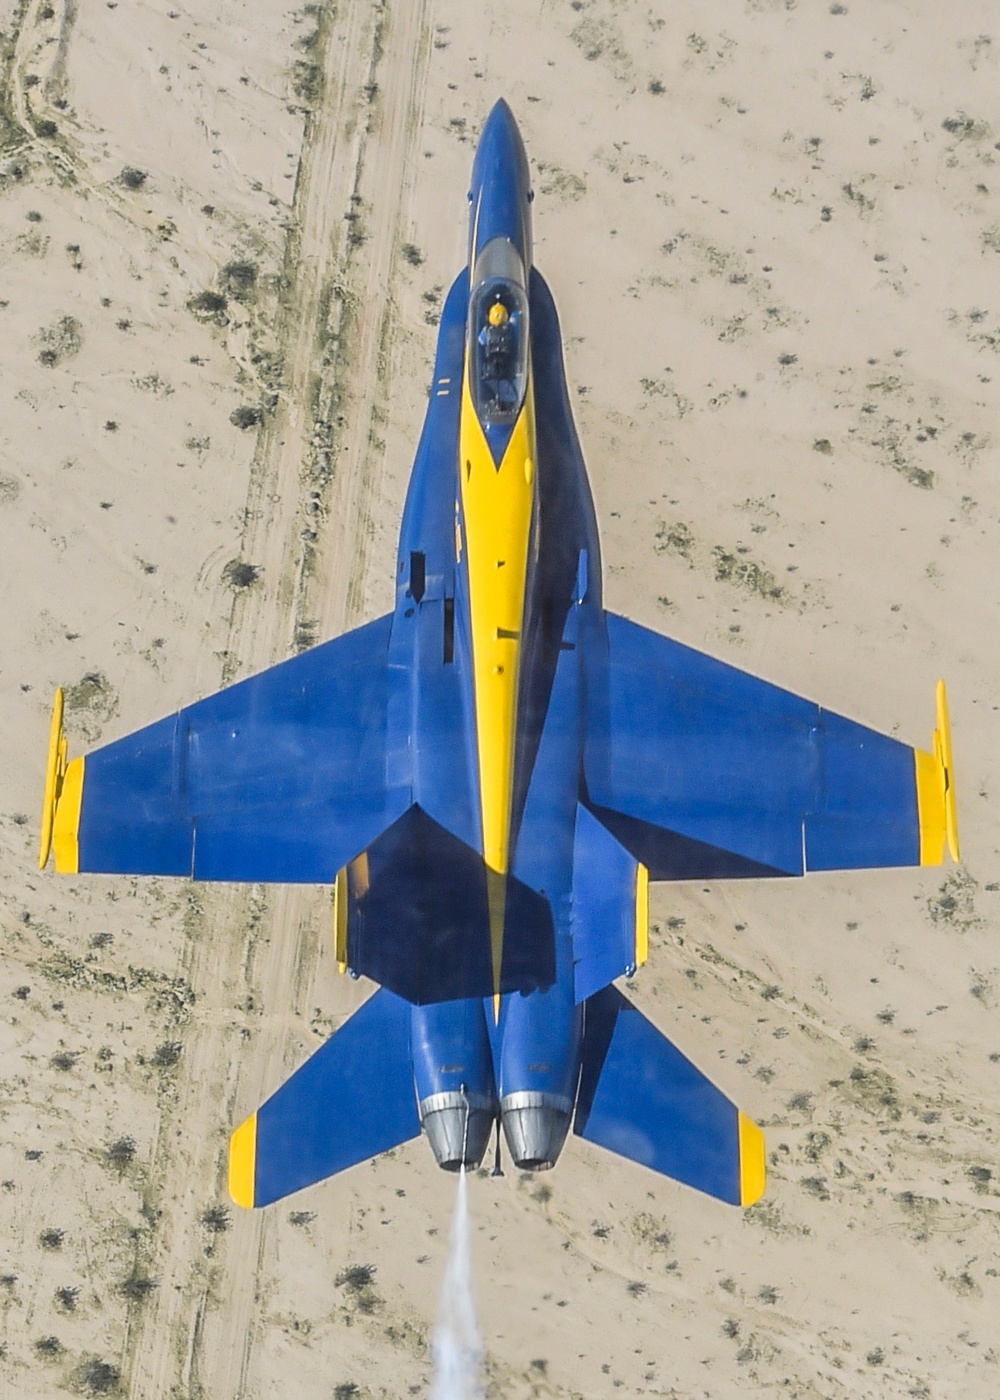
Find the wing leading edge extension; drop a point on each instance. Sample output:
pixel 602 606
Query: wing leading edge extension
pixel 278 778
pixel 702 771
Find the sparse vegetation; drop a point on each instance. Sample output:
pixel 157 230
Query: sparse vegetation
pixel 413 255
pixel 874 1090
pixel 60 341
pixel 132 177
pixel 247 416
pixel 954 904
pixel 356 1277
pixel 121 1153
pixel 655 1234
pixel 216 1219
pixel 744 573
pixel 980 1178
pixel 209 306
pixel 96 1377
pixel 137 1288
pixel 239 279
pixel 168 1054
pixel 306 633
pixel 52 1239
pixel 676 538
pixel 91 702
pixel 307 82
pixel 966 128
pixel 238 574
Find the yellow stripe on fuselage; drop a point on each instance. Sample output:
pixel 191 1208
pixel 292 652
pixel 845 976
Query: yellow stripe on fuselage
pixel 497 509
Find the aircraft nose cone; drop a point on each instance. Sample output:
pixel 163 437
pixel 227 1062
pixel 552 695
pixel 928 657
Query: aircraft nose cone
pixel 500 190
pixel 500 146
pixel 500 125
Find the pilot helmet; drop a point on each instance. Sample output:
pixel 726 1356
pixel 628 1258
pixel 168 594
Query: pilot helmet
pixel 498 314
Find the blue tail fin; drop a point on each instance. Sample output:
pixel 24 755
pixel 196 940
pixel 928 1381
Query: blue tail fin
pixel 641 1098
pixel 353 1099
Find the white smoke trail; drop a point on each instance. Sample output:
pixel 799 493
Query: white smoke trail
pixel 457 1349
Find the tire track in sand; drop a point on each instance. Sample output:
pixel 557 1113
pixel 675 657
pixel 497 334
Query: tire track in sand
pixel 200 1329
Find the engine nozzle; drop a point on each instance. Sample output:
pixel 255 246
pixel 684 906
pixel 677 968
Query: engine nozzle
pixel 535 1125
pixel 458 1127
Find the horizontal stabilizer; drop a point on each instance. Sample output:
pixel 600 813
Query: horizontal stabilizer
pixel 641 1098
pixel 353 1099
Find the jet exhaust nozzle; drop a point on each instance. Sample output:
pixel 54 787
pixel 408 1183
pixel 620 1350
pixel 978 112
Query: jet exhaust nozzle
pixel 535 1126
pixel 458 1127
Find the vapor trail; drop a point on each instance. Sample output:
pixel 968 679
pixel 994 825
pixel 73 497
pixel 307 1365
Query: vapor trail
pixel 456 1349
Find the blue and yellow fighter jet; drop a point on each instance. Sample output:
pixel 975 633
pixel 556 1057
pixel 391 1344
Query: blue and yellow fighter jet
pixel 489 776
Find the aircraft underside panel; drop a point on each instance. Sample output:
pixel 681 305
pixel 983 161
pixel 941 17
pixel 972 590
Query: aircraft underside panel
pixel 418 918
pixel 281 777
pixel 704 771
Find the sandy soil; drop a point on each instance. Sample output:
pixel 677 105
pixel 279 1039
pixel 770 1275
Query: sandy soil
pixel 773 233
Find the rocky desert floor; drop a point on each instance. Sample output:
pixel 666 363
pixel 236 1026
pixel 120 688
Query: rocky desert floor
pixel 773 233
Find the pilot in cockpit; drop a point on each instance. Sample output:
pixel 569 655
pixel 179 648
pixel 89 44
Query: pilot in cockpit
pixel 499 342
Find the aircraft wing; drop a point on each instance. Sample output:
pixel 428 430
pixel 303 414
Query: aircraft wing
pixel 702 771
pixel 278 778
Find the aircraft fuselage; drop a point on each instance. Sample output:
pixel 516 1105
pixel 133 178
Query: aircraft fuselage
pixel 499 571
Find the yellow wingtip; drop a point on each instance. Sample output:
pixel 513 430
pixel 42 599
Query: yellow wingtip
pixel 936 811
pixel 242 1162
pixel 942 751
pixel 753 1163
pixel 66 819
pixel 55 770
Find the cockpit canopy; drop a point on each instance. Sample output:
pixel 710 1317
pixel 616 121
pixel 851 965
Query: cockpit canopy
pixel 498 334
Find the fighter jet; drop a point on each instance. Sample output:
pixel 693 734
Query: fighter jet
pixel 488 777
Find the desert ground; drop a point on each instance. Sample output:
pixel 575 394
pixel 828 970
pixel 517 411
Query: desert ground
pixel 772 228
